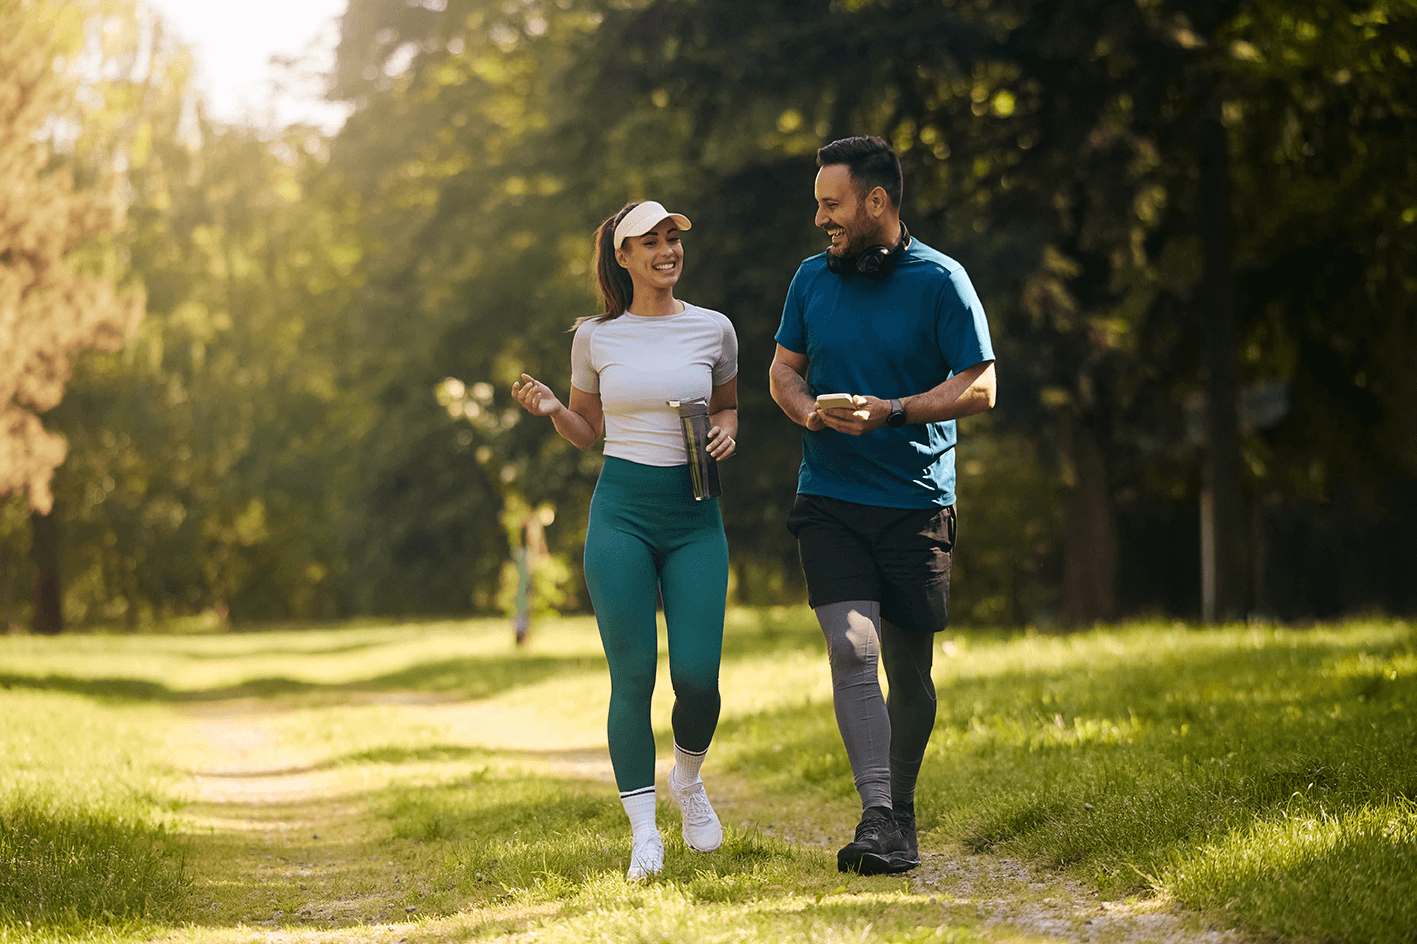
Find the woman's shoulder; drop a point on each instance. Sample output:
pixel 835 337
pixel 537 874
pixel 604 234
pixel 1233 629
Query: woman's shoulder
pixel 586 328
pixel 717 317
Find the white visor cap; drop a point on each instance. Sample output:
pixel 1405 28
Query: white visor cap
pixel 645 217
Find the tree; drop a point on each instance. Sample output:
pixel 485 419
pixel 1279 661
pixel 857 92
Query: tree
pixel 205 461
pixel 1109 171
pixel 212 451
pixel 476 265
pixel 57 292
pixel 281 440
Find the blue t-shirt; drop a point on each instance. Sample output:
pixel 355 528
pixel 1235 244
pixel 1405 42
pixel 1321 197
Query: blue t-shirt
pixel 892 338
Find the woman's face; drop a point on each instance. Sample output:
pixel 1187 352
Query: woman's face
pixel 655 259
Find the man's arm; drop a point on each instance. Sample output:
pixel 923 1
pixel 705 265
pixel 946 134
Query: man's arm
pixel 968 392
pixel 787 379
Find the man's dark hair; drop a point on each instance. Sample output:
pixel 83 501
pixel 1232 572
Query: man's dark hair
pixel 871 161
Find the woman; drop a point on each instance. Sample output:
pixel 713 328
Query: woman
pixel 647 535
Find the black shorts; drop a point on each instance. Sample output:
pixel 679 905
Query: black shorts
pixel 898 557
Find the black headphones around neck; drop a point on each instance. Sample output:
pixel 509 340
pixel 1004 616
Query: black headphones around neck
pixel 875 262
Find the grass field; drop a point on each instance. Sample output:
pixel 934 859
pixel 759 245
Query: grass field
pixel 428 782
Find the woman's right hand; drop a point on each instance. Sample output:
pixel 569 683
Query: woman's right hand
pixel 535 396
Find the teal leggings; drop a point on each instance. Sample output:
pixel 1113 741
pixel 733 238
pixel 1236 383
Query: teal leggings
pixel 648 538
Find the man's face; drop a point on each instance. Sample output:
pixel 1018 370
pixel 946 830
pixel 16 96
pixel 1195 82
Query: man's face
pixel 842 213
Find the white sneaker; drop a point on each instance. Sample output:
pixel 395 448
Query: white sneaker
pixel 646 858
pixel 702 830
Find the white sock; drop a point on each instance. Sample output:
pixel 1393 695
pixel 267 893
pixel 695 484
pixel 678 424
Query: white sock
pixel 639 806
pixel 687 765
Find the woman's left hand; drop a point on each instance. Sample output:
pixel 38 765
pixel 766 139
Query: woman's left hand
pixel 720 444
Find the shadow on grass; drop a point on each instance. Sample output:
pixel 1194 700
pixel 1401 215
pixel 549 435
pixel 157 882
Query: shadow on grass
pixel 452 679
pixel 292 650
pixel 386 756
pixel 466 678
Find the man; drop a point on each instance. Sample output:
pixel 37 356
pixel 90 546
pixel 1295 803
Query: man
pixel 897 325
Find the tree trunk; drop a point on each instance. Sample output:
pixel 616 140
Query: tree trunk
pixel 1221 464
pixel 1089 539
pixel 7 588
pixel 44 554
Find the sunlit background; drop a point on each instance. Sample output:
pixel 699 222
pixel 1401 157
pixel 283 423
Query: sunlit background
pixel 264 62
pixel 269 269
pixel 272 268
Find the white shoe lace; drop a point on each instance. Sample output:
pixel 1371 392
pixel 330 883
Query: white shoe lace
pixel 702 831
pixel 695 804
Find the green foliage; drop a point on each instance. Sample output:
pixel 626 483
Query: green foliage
pixel 477 265
pixel 1009 531
pixel 1053 148
pixel 272 445
pixel 58 295
pixel 208 460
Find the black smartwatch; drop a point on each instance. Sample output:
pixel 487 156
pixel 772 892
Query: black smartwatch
pixel 897 418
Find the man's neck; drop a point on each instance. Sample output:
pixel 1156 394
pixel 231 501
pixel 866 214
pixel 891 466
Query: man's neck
pixel 890 233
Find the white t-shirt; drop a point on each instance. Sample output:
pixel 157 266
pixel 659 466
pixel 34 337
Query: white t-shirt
pixel 637 363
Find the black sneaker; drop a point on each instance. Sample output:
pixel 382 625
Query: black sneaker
pixel 909 858
pixel 876 846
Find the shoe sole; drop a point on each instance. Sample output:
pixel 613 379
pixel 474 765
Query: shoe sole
pixel 687 842
pixel 697 849
pixel 871 864
pixel 866 863
pixel 903 861
pixel 642 876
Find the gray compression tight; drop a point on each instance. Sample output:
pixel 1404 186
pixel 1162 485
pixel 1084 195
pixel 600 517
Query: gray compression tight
pixel 885 738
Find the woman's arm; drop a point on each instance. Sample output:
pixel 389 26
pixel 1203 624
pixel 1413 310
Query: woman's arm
pixel 580 424
pixel 723 415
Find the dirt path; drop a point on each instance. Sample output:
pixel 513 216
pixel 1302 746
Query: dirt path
pixel 1007 892
pixel 290 833
pixel 280 830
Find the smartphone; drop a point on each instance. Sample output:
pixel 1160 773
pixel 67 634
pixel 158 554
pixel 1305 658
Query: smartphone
pixel 836 401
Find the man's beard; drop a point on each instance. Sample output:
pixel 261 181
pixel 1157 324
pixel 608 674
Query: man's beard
pixel 859 240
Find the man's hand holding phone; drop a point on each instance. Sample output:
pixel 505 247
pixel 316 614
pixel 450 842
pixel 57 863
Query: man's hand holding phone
pixel 839 401
pixel 845 413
